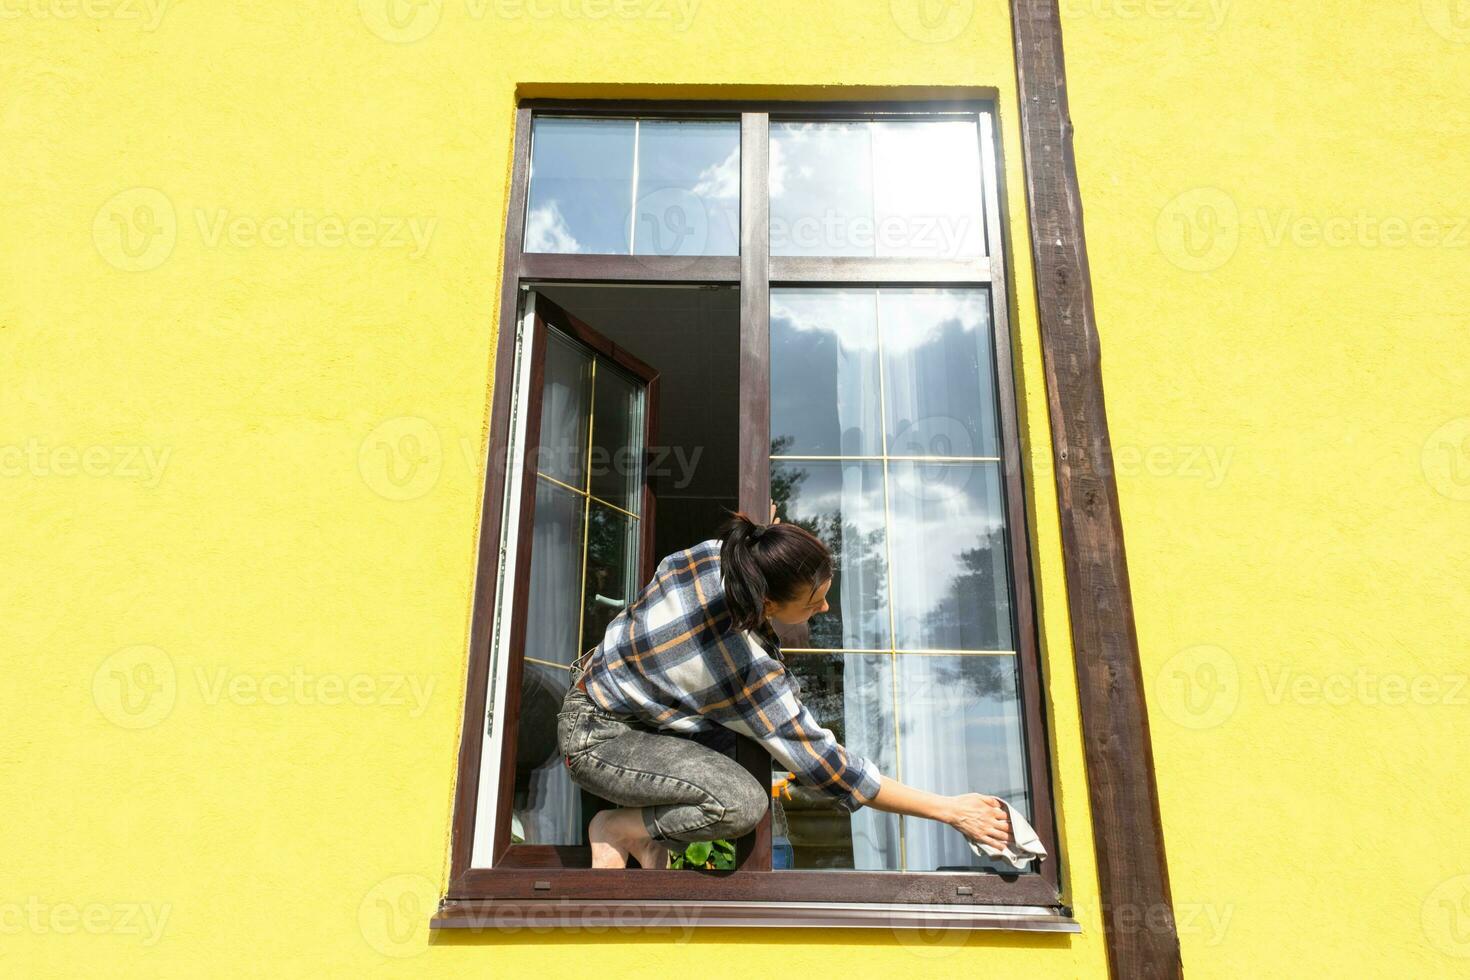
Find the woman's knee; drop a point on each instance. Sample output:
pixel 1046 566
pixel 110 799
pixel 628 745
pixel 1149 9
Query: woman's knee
pixel 746 804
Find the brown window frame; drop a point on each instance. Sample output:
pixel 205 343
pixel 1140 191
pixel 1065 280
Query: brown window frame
pixel 542 881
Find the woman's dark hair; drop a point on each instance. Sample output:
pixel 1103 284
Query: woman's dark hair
pixel 768 561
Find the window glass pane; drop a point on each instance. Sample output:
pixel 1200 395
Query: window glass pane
pixel 688 188
pixel 947 538
pixel 556 569
pixel 852 695
pixel 889 189
pixel 939 389
pixel 824 373
pixel 821 189
pixel 584 556
pixel 617 439
pixel 546 802
pixel 589 175
pixel 926 182
pixel 565 397
pixel 959 731
pixel 841 502
pixel 611 550
pixel 581 185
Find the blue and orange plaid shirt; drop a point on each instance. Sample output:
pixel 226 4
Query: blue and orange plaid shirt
pixel 672 659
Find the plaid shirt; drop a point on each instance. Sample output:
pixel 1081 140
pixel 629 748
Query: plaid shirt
pixel 672 660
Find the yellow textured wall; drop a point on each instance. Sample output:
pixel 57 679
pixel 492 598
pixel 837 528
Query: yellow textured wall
pixel 1277 201
pixel 252 257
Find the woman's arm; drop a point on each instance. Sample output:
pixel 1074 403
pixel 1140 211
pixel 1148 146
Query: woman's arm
pixel 979 817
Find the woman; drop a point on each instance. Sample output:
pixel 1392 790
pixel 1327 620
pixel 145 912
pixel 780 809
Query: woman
pixel 693 654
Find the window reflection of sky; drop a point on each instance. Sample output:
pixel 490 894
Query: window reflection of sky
pixel 887 189
pixel 588 175
pixel 940 523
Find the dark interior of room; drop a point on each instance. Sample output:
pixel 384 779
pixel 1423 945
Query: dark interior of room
pixel 691 336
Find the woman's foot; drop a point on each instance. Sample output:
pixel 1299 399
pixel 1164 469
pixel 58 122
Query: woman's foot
pixel 653 855
pixel 608 849
pixel 615 835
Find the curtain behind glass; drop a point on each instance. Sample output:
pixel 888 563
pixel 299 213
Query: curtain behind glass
pixel 547 801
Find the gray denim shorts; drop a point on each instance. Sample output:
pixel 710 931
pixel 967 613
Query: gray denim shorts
pixel 688 790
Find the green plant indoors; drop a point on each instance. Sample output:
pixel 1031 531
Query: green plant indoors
pixel 713 855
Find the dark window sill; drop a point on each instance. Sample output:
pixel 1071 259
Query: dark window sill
pixel 509 915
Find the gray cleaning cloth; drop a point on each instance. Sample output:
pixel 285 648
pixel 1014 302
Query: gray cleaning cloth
pixel 1022 844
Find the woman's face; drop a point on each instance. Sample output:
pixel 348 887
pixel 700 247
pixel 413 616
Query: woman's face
pixel 798 610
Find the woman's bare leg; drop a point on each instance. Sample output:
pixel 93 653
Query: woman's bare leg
pixel 617 834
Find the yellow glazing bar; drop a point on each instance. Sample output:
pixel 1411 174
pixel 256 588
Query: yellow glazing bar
pixel 581 493
pixel 935 459
pixel 902 653
pixel 587 502
pixel 888 551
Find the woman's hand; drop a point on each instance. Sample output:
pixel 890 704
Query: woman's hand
pixel 980 818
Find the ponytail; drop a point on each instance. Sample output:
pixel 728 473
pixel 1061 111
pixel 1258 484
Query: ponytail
pixel 778 562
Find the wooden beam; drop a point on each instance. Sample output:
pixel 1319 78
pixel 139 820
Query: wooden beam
pixel 753 851
pixel 1137 909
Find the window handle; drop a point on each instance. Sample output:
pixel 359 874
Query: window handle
pixel 603 600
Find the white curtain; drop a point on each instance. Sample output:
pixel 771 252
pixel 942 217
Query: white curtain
pixel 949 722
pixel 867 686
pixel 551 813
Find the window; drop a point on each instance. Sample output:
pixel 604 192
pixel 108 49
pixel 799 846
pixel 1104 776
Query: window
pixel 634 186
pixel 587 553
pixel 883 433
pixel 814 296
